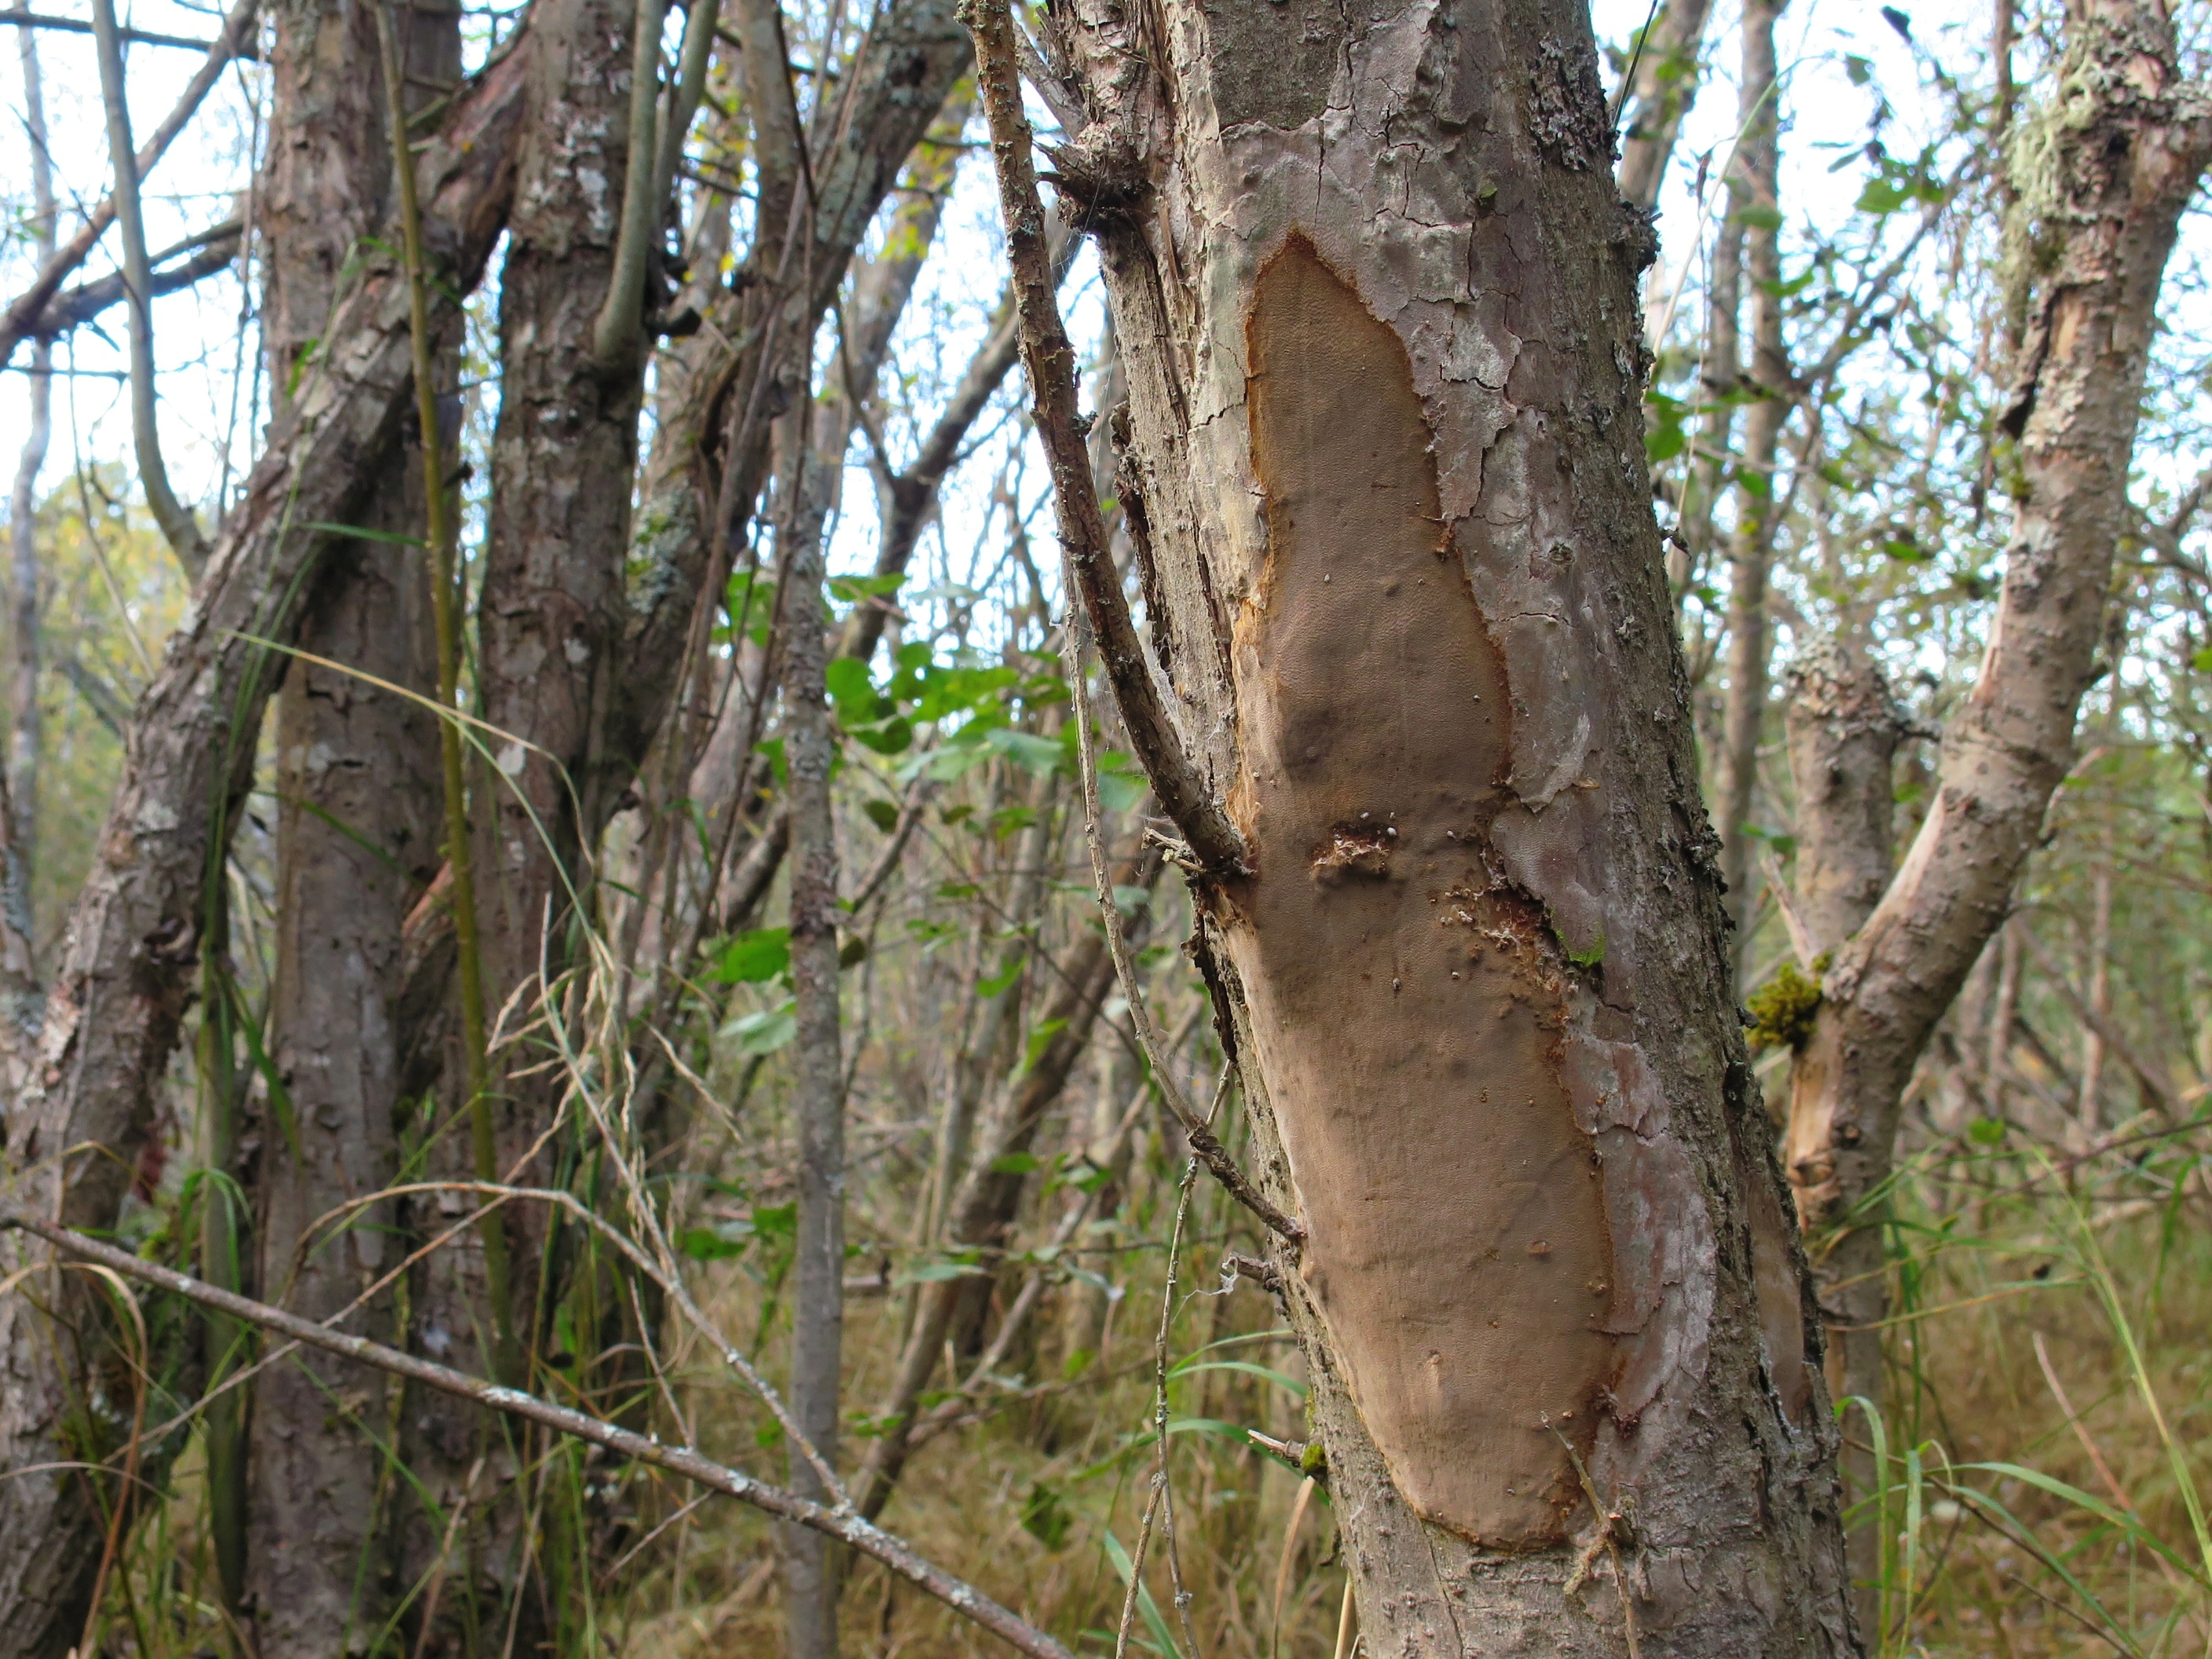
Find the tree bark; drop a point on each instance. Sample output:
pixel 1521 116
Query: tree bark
pixel 112 1016
pixel 1375 295
pixel 2127 143
pixel 358 831
pixel 711 449
pixel 1753 199
pixel 818 1095
pixel 1844 730
pixel 549 613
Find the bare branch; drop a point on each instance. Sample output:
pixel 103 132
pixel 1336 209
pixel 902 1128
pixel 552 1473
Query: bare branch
pixel 34 20
pixel 28 305
pixel 619 326
pixel 211 250
pixel 1085 551
pixel 838 1524
pixel 178 526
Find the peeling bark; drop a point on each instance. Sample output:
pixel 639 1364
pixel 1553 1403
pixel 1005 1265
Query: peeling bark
pixel 2122 147
pixel 1380 329
pixel 112 1017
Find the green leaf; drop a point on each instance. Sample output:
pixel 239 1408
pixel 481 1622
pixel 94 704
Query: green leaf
pixel 1881 197
pixel 707 1244
pixel 1761 215
pixel 1986 1131
pixel 1123 790
pixel 894 736
pixel 1040 757
pixel 766 1031
pixel 1150 1609
pixel 2202 662
pixel 848 682
pixel 999 983
pixel 854 588
pixel 1044 1517
pixel 1040 1040
pixel 1191 1367
pixel 755 957
pixel 930 1273
pixel 1016 1163
pixel 883 814
pixel 363 533
pixel 779 766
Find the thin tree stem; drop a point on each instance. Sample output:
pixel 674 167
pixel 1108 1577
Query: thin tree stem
pixel 443 605
pixel 178 527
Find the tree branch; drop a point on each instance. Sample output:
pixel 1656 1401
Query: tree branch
pixel 34 20
pixel 1085 551
pixel 619 326
pixel 839 1523
pixel 25 310
pixel 211 250
pixel 178 528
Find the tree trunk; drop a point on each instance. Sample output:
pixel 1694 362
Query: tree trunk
pixel 1375 295
pixel 2126 149
pixel 357 841
pixel 1844 731
pixel 1753 199
pixel 1665 87
pixel 549 614
pixel 817 1335
pixel 112 1017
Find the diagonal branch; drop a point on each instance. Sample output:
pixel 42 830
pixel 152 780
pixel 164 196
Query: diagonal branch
pixel 838 1524
pixel 1050 361
pixel 24 311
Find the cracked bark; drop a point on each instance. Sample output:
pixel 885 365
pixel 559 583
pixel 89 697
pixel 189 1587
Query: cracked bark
pixel 550 615
pixel 2128 141
pixel 357 841
pixel 1476 982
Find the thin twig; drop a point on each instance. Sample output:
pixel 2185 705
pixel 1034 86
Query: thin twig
pixel 178 526
pixel 24 311
pixel 1203 1142
pixel 444 560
